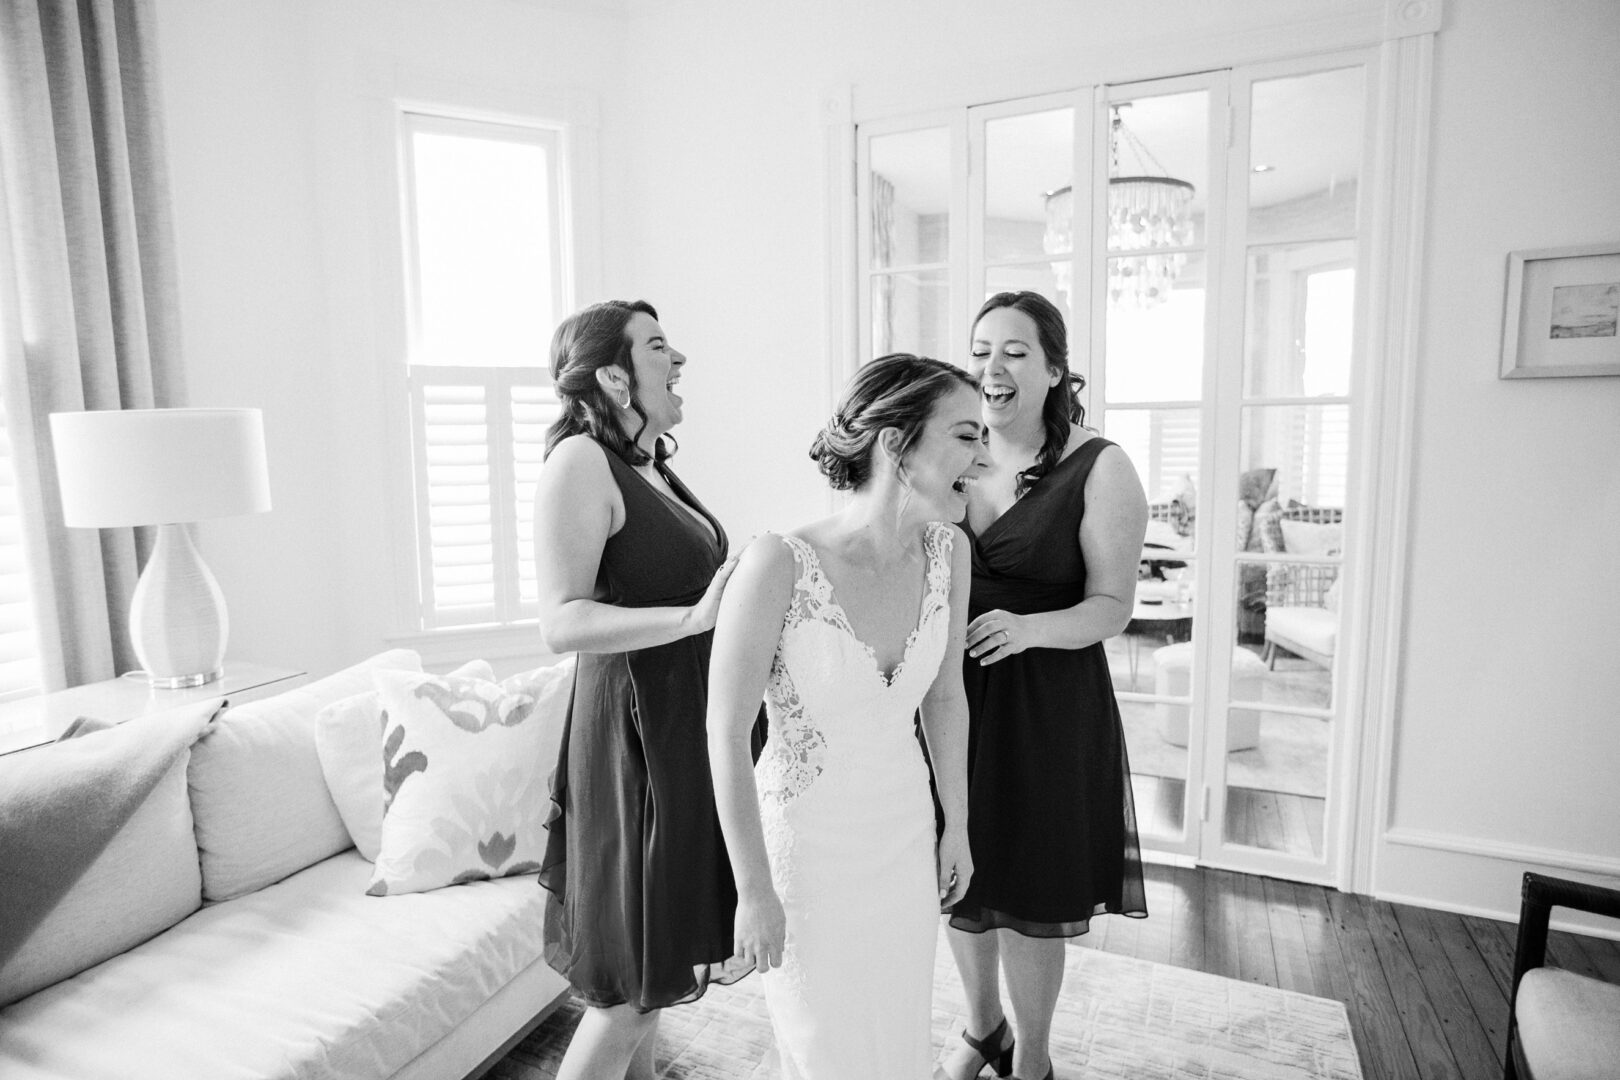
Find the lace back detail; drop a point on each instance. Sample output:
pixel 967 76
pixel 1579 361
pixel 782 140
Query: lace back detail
pixel 794 752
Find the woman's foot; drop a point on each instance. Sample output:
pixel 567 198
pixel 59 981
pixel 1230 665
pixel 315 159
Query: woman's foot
pixel 1034 1070
pixel 974 1053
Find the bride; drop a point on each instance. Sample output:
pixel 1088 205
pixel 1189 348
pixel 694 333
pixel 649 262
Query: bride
pixel 847 626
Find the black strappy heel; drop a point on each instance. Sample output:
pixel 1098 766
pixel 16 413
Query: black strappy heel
pixel 989 1049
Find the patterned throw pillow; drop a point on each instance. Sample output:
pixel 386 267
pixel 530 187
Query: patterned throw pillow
pixel 1245 528
pixel 1268 526
pixel 349 742
pixel 465 792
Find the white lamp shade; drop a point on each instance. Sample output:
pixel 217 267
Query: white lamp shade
pixel 159 466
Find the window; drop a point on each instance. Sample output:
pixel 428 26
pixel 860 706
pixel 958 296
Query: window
pixel 487 278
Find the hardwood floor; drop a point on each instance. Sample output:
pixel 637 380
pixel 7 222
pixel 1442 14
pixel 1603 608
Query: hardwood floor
pixel 1272 820
pixel 1426 991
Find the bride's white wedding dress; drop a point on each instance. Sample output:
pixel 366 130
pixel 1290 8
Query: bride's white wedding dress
pixel 849 828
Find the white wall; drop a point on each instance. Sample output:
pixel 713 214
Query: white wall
pixel 277 136
pixel 1506 732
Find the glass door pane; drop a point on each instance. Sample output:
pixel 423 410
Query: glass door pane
pixel 1152 390
pixel 909 242
pixel 1293 484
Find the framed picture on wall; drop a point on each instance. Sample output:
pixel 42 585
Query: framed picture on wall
pixel 1562 313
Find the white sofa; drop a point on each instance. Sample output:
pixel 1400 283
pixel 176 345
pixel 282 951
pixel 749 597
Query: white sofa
pixel 225 931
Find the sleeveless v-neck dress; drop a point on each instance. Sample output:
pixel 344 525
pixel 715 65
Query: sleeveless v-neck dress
pixel 848 819
pixel 1051 821
pixel 642 897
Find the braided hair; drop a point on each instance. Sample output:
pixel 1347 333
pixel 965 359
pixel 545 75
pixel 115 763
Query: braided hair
pixel 586 341
pixel 1061 412
pixel 894 391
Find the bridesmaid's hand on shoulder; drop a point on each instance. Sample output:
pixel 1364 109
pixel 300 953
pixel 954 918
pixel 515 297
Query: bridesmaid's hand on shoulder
pixel 706 611
pixel 761 928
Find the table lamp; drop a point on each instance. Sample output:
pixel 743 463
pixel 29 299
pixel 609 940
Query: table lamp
pixel 166 467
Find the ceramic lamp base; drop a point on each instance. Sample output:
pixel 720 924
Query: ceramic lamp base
pixel 177 620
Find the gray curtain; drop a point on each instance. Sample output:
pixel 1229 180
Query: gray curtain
pixel 87 269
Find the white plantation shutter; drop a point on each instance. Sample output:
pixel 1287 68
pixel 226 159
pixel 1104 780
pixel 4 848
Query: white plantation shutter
pixel 1175 439
pixel 486 265
pixel 534 410
pixel 480 434
pixel 20 674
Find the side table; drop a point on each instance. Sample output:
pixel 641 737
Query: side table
pixel 42 719
pixel 1167 621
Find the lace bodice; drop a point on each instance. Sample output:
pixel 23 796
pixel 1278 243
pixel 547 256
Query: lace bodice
pixel 827 695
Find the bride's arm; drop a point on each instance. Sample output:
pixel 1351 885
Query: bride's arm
pixel 945 726
pixel 751 615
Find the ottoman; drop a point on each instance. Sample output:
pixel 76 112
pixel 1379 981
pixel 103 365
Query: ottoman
pixel 1172 668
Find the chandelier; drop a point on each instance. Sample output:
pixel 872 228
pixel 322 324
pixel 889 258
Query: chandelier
pixel 1147 212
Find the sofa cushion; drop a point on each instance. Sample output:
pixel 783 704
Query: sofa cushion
pixel 260 802
pixel 96 847
pixel 349 743
pixel 308 977
pixel 1317 629
pixel 1569 1025
pixel 465 785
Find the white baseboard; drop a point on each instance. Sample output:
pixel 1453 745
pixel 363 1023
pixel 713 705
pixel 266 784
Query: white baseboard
pixel 1522 854
pixel 1473 876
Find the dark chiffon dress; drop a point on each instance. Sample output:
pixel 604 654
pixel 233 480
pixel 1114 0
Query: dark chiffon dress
pixel 641 893
pixel 1051 822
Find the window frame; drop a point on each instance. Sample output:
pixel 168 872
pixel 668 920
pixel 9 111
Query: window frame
pixel 572 118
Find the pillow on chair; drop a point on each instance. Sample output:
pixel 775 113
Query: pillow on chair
pixel 464 776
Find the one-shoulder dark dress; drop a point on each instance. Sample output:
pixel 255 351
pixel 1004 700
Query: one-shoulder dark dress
pixel 1051 821
pixel 642 897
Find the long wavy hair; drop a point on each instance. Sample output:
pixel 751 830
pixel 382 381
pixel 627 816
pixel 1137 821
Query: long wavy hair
pixel 586 341
pixel 894 391
pixel 1061 412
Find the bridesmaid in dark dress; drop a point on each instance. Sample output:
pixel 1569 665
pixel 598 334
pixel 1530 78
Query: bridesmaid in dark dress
pixel 630 569
pixel 1057 527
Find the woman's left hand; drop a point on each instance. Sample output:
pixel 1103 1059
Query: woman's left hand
pixel 996 635
pixel 955 865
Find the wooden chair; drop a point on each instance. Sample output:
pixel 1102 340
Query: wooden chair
pixel 1561 1026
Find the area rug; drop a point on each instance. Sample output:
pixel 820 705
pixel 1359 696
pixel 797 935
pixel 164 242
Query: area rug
pixel 1117 1018
pixel 1291 757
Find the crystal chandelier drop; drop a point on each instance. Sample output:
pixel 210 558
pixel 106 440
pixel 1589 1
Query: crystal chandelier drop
pixel 1147 212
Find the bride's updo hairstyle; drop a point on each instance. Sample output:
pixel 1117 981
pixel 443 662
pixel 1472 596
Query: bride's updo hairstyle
pixel 895 391
pixel 1062 410
pixel 593 338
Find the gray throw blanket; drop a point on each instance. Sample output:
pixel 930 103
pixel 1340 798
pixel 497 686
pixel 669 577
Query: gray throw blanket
pixel 62 803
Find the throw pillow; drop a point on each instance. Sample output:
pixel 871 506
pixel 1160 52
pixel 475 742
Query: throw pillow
pixel 1245 526
pixel 100 815
pixel 257 793
pixel 1309 538
pixel 1254 486
pixel 349 742
pixel 1268 524
pixel 465 776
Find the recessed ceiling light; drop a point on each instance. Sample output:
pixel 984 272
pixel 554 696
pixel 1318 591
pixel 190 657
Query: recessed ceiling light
pixel 1265 168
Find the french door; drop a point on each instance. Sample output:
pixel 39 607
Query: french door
pixel 1205 236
